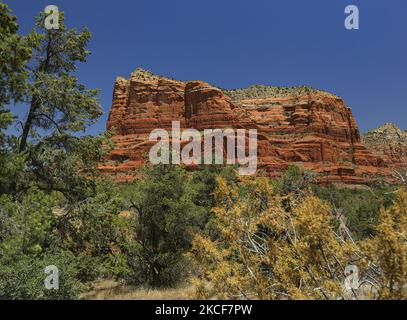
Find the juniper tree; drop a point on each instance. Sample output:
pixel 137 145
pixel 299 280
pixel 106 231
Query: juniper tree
pixel 168 214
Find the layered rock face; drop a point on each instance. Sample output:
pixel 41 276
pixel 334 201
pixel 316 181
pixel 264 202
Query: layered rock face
pixel 298 125
pixel 390 143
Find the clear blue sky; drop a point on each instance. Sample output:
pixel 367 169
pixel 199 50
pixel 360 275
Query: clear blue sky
pixel 236 43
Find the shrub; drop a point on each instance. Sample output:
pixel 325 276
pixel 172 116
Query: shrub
pixel 23 278
pixel 168 216
pixel 268 252
pixel 358 207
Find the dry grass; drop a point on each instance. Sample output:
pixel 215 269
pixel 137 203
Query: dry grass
pixel 111 290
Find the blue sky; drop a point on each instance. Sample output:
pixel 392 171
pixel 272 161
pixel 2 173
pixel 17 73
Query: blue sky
pixel 236 43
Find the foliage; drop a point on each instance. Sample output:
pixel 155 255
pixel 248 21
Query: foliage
pixel 23 279
pixel 167 217
pixel 64 163
pixel 27 246
pixel 49 150
pixel 15 52
pixel 48 171
pixel 250 238
pixel 95 230
pixel 262 91
pixel 295 181
pixel 358 207
pixel 28 224
pixel 388 249
pixel 57 102
pixel 14 55
pixel 267 252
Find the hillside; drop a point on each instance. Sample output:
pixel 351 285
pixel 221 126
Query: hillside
pixel 390 142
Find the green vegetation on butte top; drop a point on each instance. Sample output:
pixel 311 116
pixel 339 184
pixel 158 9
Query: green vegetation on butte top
pixel 263 91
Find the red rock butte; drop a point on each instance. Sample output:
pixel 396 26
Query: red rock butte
pixel 295 125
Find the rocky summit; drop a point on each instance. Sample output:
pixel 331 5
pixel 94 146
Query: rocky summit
pixel 295 125
pixel 390 143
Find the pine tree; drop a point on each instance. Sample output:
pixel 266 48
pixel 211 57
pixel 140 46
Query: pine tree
pixel 55 155
pixel 15 52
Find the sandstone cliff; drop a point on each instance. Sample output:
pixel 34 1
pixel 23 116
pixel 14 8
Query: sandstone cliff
pixel 390 143
pixel 297 125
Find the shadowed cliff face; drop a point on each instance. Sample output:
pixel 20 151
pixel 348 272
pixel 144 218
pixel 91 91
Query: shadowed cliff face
pixel 299 125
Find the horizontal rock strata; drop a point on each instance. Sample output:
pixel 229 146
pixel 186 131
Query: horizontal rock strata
pixel 300 125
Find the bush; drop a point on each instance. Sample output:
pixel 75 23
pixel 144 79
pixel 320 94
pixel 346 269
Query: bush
pixel 28 224
pixel 167 217
pixel 358 207
pixel 266 251
pixel 296 181
pixel 27 238
pixel 23 279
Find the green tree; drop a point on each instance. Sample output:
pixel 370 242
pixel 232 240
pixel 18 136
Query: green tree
pixel 167 216
pixel 57 102
pixel 59 108
pixel 48 160
pixel 358 208
pixel 15 52
pixel 29 243
pixel 295 181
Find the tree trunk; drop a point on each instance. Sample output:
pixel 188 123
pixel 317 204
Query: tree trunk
pixel 27 126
